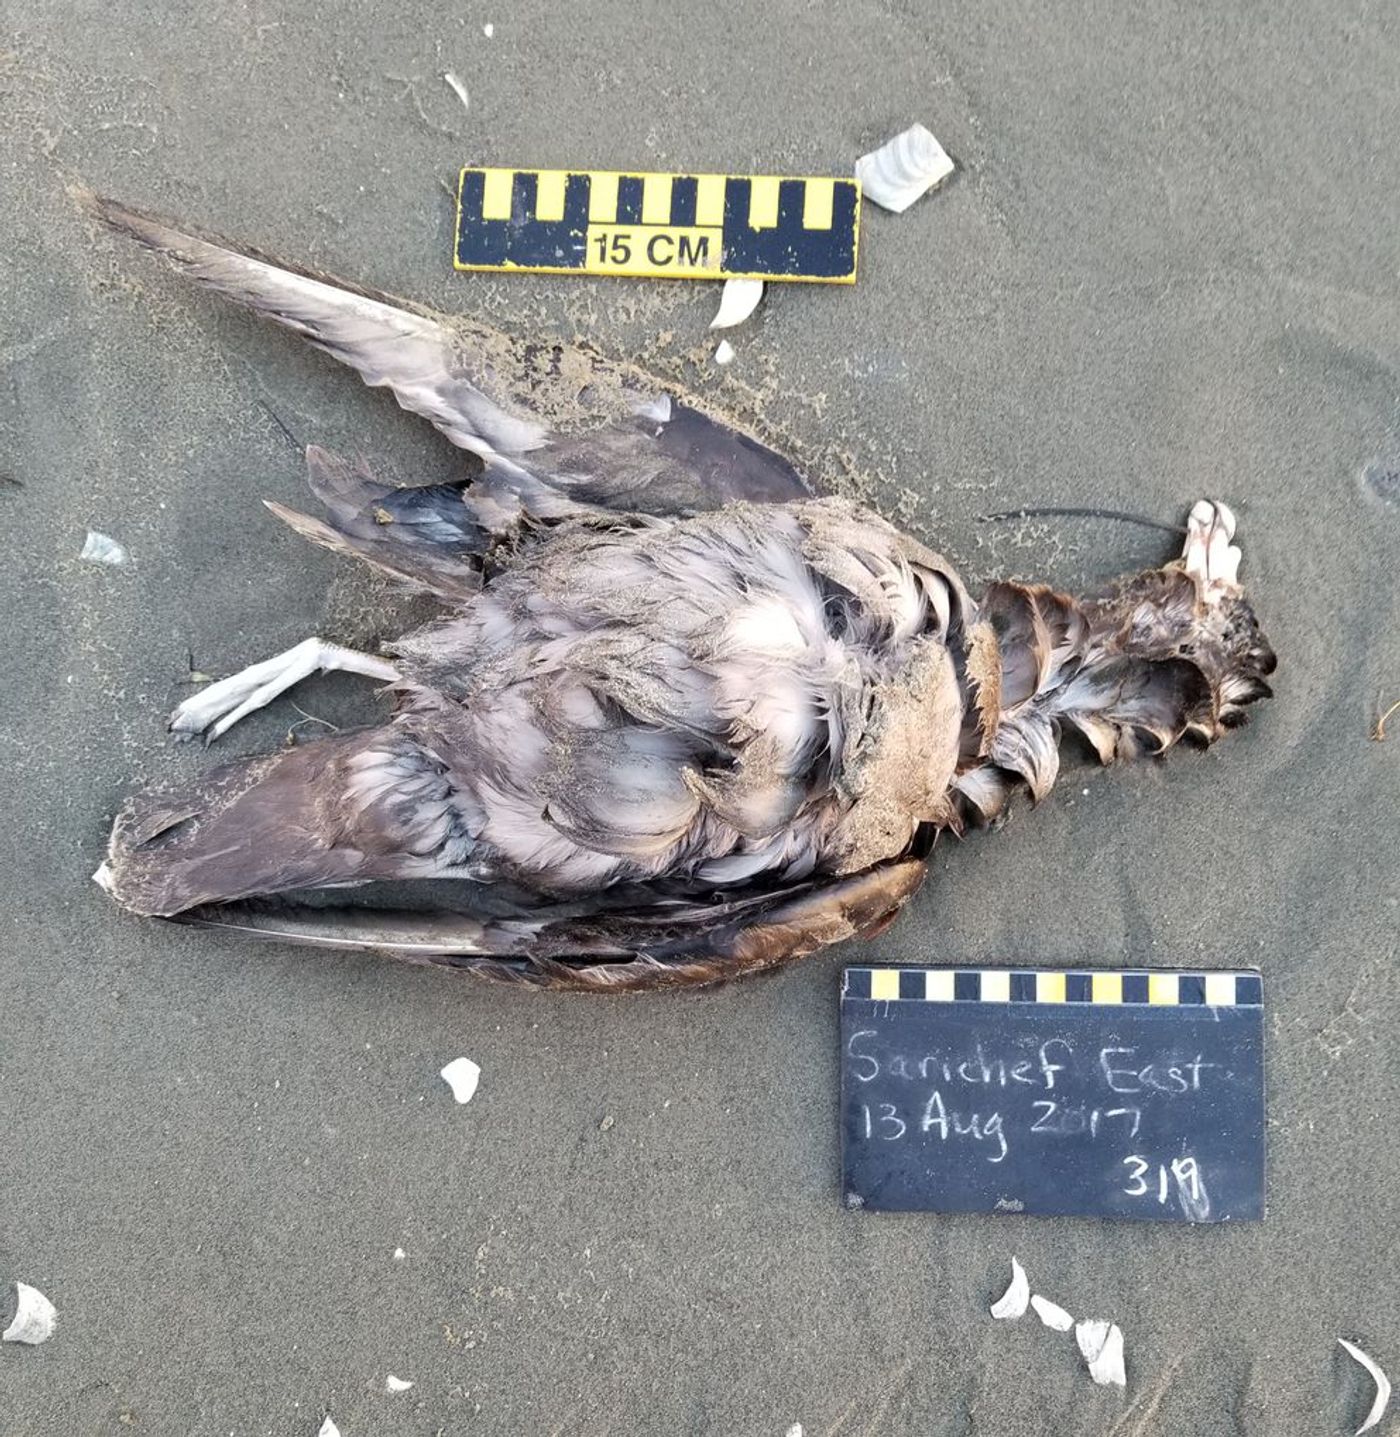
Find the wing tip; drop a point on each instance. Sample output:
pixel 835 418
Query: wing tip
pixel 147 228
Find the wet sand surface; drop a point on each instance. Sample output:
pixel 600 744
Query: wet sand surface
pixel 1167 267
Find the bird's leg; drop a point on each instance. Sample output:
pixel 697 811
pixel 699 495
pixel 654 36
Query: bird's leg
pixel 215 710
pixel 1208 556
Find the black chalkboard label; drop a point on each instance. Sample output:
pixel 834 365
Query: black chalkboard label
pixel 1102 1094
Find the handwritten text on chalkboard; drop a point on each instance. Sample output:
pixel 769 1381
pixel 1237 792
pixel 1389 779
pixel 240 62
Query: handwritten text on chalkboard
pixel 1113 1108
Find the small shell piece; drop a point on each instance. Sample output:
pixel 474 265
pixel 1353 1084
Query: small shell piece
pixel 902 169
pixel 1091 1334
pixel 1051 1314
pixel 458 89
pixel 1107 1368
pixel 1382 1386
pixel 102 549
pixel 328 1429
pixel 737 303
pixel 462 1076
pixel 724 352
pixel 396 1384
pixel 1102 1346
pixel 35 1316
pixel 1012 1303
pixel 795 1430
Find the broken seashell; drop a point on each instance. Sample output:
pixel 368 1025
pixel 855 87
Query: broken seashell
pixel 488 29
pixel 399 1254
pixel 458 89
pixel 34 1318
pixel 794 1431
pixel 1012 1302
pixel 1051 1314
pixel 903 169
pixel 724 352
pixel 1382 1386
pixel 396 1384
pixel 1101 1344
pixel 328 1429
pixel 102 549
pixel 1091 1334
pixel 1107 1368
pixel 462 1076
pixel 737 303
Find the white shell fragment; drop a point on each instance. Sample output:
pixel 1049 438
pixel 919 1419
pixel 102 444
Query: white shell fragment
pixel 724 352
pixel 102 549
pixel 399 1254
pixel 1382 1386
pixel 1107 1368
pixel 1051 1314
pixel 458 89
pixel 902 169
pixel 328 1429
pixel 795 1430
pixel 737 303
pixel 488 30
pixel 1091 1334
pixel 1012 1303
pixel 35 1316
pixel 1102 1346
pixel 396 1384
pixel 462 1076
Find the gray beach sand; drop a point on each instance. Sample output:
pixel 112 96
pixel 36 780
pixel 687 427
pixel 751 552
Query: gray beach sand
pixel 1166 267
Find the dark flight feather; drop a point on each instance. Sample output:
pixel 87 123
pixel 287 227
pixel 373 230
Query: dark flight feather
pixel 665 945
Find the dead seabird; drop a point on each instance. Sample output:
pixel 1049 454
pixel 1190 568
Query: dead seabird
pixel 694 720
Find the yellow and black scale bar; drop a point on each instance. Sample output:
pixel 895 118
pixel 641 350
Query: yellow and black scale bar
pixel 1038 985
pixel 669 226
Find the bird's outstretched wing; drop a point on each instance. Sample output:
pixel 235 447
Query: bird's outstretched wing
pixel 601 431
pixel 616 943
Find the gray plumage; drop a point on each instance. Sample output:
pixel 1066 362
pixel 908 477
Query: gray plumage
pixel 683 717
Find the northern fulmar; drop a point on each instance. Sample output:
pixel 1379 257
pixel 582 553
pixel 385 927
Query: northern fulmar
pixel 689 718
